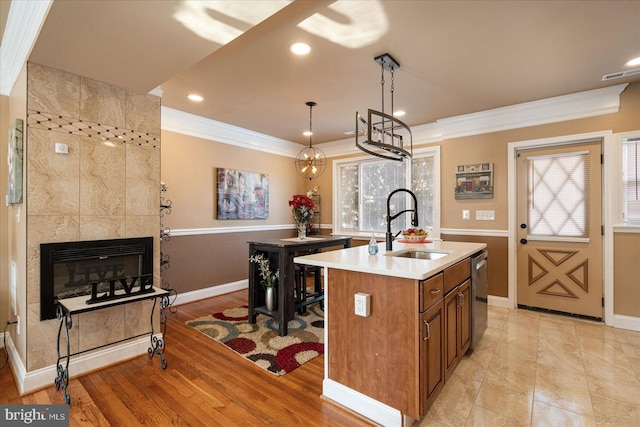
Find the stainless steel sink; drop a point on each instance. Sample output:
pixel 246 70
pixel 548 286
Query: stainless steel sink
pixel 418 254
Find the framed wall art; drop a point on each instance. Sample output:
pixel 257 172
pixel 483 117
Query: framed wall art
pixel 474 181
pixel 241 195
pixel 14 162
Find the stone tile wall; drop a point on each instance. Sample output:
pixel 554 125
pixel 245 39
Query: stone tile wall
pixel 106 187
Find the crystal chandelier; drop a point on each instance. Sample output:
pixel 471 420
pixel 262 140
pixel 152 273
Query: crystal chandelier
pixel 385 136
pixel 310 161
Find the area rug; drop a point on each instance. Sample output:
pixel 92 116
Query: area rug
pixel 261 343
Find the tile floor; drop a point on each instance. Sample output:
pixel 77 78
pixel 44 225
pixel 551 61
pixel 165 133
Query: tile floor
pixel 539 369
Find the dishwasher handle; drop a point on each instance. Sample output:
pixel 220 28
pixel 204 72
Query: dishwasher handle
pixel 481 264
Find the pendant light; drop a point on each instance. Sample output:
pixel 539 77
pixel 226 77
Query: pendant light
pixel 310 161
pixel 385 136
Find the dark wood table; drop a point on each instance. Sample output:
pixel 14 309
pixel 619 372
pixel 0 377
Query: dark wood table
pixel 281 253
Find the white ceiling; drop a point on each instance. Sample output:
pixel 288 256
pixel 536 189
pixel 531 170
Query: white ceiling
pixel 456 57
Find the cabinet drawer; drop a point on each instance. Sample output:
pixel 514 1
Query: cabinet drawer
pixel 456 274
pixel 431 291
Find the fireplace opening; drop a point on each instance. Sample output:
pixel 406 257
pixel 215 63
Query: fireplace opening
pixel 72 269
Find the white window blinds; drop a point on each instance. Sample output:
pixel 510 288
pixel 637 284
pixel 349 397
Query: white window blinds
pixel 631 178
pixel 558 195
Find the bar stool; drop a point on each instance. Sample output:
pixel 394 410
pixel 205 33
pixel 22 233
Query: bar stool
pixel 302 296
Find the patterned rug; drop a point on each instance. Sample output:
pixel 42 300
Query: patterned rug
pixel 261 343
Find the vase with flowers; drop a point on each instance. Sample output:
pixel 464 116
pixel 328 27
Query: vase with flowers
pixel 268 278
pixel 302 208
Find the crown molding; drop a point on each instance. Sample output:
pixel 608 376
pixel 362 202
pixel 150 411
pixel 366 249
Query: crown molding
pixel 201 127
pixel 579 105
pixel 23 26
pixel 551 110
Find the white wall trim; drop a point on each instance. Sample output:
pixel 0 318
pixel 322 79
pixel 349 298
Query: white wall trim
pixel 626 228
pixel 607 137
pixel 238 229
pixel 475 232
pixel 212 291
pixel 557 109
pixel 551 110
pixel 34 380
pixel 495 301
pixel 23 26
pixel 201 127
pixel 364 405
pixel 626 322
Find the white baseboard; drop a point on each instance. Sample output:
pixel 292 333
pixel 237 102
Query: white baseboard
pixel 34 380
pixel 212 291
pixel 626 322
pixel 495 301
pixel 364 405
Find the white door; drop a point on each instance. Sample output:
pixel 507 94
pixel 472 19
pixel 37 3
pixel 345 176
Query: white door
pixel 559 217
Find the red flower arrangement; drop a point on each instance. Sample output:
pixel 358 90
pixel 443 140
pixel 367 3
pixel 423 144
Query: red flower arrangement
pixel 302 208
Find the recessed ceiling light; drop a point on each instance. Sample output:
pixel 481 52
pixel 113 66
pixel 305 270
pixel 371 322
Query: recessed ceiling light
pixel 196 98
pixel 300 48
pixel 399 113
pixel 633 62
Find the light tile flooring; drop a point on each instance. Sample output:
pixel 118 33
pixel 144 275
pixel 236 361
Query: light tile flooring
pixel 539 369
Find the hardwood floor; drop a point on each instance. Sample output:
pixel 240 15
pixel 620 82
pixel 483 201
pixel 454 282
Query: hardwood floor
pixel 205 384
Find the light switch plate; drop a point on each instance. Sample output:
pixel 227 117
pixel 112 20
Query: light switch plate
pixel 466 214
pixel 485 215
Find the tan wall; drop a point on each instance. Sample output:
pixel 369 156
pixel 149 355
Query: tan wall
pixel 492 147
pixel 15 231
pixel 94 192
pixel 4 215
pixel 498 273
pixel 188 167
pixel 626 274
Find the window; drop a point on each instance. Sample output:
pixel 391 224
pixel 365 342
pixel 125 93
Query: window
pixel 558 194
pixel 631 178
pixel 363 185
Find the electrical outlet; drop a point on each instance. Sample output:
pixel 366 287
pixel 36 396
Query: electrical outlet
pixel 362 303
pixel 486 215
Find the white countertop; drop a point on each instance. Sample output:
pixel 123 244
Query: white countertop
pixel 358 259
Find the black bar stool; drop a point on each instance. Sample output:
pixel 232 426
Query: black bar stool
pixel 302 296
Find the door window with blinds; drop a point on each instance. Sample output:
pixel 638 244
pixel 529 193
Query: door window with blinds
pixel 558 195
pixel 631 178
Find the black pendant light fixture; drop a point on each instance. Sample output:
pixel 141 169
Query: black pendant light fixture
pixel 310 161
pixel 385 136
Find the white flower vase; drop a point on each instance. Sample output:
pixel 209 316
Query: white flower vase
pixel 302 230
pixel 270 298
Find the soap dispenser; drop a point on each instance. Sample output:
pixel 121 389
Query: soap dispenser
pixel 373 246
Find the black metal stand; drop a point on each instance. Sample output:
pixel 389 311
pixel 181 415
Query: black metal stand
pixel 67 308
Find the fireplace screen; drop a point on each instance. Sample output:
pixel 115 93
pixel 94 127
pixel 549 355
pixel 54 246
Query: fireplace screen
pixel 73 269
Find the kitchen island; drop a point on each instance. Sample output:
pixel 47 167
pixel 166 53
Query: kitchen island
pixel 389 362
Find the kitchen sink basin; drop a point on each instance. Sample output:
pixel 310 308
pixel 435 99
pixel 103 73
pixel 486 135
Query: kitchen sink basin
pixel 419 254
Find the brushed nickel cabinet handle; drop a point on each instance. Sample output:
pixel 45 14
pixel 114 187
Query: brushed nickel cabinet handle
pixel 435 291
pixel 428 330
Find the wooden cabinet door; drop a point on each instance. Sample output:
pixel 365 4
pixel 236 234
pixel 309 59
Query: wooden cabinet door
pixel 464 317
pixel 431 355
pixel 451 332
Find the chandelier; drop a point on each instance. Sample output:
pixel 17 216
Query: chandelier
pixel 385 136
pixel 310 161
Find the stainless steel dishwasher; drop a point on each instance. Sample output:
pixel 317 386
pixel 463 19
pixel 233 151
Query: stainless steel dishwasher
pixel 479 285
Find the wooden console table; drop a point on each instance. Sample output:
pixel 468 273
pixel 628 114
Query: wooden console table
pixel 69 306
pixel 282 251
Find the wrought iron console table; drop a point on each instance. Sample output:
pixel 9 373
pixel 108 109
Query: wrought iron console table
pixel 77 305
